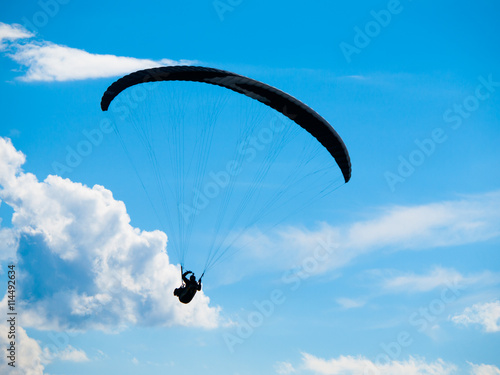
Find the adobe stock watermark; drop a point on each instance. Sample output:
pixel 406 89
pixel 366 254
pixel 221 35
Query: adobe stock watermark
pixel 372 29
pixel 224 6
pixel 422 320
pixel 247 151
pixel 264 309
pixel 48 9
pixel 453 116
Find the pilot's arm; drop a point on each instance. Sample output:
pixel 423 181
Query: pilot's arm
pixel 184 276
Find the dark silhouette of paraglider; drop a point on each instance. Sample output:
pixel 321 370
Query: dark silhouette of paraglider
pixel 189 288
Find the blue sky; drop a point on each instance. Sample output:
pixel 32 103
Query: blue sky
pixel 395 272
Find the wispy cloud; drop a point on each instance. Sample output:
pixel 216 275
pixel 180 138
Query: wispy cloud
pixel 10 33
pixel 84 265
pixel 348 365
pixel 72 354
pixel 349 303
pixel 486 315
pixel 284 368
pixel 471 219
pixel 360 365
pixel 484 369
pixel 438 277
pixel 51 62
pixel 46 61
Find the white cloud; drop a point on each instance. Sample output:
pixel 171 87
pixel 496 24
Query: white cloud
pixel 46 61
pixel 284 368
pixel 485 314
pixel 349 303
pixel 11 33
pixel 8 243
pixel 484 369
pixel 51 62
pixel 348 365
pixel 359 365
pixel 472 219
pixel 84 265
pixel 72 354
pixel 436 278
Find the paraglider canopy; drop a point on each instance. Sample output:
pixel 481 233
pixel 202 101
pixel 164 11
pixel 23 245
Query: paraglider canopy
pixel 282 102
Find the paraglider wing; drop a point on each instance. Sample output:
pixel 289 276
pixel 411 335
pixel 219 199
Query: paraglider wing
pixel 286 104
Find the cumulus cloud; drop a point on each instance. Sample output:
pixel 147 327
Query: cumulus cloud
pixel 471 219
pixel 348 365
pixel 486 315
pixel 84 265
pixel 46 61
